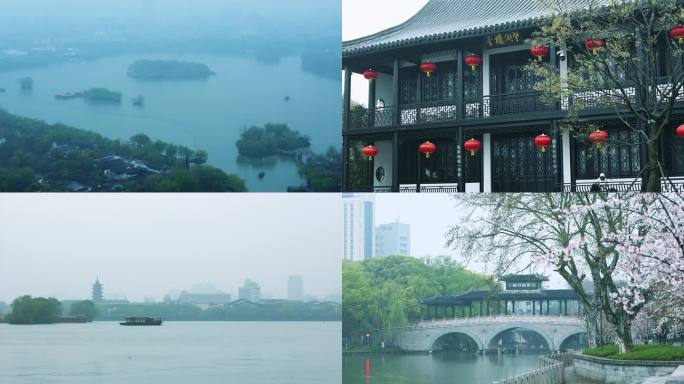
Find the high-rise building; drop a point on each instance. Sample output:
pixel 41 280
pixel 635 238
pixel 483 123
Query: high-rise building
pixel 359 225
pixel 97 291
pixel 250 291
pixel 393 239
pixel 295 288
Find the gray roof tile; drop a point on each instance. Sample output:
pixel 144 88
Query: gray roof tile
pixel 452 19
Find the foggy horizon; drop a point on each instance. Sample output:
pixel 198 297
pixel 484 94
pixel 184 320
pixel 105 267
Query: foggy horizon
pixel 147 246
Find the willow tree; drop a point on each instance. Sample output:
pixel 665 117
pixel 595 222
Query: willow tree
pixel 617 52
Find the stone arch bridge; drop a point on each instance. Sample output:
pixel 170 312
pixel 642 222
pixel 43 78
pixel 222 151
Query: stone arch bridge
pixel 555 330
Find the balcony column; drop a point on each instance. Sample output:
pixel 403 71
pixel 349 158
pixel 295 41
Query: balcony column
pixel 487 162
pixel 395 161
pixel 567 156
pixel 371 103
pixel 346 105
pixel 460 112
pixel 396 113
pixel 345 163
pixel 419 94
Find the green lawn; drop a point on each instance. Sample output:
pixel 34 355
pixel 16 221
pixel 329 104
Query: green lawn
pixel 641 352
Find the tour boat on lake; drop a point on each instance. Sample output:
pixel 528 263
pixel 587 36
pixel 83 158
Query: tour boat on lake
pixel 142 321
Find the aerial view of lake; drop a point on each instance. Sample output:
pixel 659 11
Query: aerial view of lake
pixel 200 114
pixel 439 368
pixel 176 352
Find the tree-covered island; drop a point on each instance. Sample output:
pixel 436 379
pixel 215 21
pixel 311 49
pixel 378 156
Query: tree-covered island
pixel 321 171
pixel 36 156
pixel 102 95
pixel 272 139
pixel 168 70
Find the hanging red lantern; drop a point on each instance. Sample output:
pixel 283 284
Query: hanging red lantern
pixel 540 52
pixel 428 68
pixel 594 44
pixel 371 75
pixel 680 131
pixel 428 148
pixel 370 152
pixel 473 61
pixel 598 138
pixel 543 141
pixel 472 146
pixel 677 33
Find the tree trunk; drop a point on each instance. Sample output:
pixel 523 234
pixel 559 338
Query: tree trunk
pixel 653 178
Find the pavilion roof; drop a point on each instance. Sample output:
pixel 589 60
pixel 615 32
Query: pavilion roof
pixel 442 20
pixel 472 296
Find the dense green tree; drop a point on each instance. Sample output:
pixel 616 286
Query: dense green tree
pixel 84 308
pixel 323 173
pixel 38 310
pixel 382 294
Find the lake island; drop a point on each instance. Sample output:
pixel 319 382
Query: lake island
pixel 153 70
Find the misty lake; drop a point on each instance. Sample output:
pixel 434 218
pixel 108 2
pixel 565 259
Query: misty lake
pixel 176 352
pixel 205 114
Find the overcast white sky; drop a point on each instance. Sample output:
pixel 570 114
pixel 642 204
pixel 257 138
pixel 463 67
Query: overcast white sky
pixel 430 215
pixel 147 245
pixel 365 17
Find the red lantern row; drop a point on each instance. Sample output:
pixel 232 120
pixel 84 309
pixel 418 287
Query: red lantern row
pixel 598 138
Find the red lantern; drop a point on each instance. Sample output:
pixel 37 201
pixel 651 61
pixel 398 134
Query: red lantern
pixel 540 52
pixel 371 75
pixel 598 138
pixel 677 33
pixel 427 148
pixel 543 141
pixel 472 146
pixel 370 152
pixel 428 68
pixel 473 61
pixel 680 131
pixel 594 44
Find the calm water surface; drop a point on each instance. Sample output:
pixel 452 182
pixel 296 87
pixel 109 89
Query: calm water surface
pixel 439 368
pixel 177 352
pixel 206 114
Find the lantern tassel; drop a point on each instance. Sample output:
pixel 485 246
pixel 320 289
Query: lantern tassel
pixel 472 153
pixel 681 40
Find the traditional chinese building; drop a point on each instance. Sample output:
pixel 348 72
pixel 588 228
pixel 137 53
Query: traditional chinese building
pixel 523 295
pixel 451 107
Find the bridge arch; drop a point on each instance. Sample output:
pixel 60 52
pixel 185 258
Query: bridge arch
pixel 496 335
pixel 574 340
pixel 437 343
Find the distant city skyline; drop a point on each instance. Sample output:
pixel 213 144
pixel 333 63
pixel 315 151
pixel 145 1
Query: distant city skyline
pixel 145 246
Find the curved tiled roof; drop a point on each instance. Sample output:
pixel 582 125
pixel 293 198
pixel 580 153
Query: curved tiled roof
pixel 451 19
